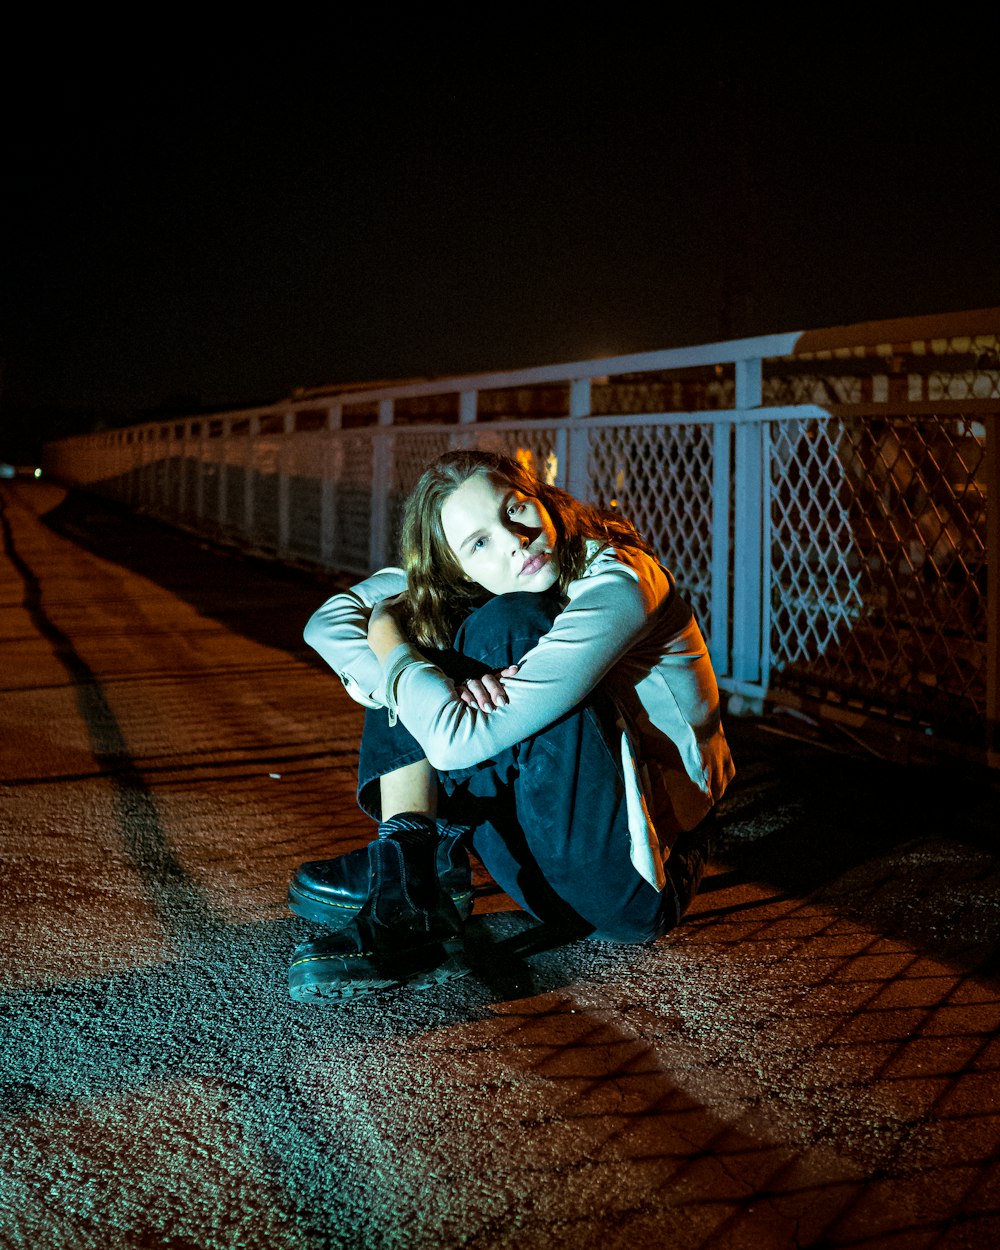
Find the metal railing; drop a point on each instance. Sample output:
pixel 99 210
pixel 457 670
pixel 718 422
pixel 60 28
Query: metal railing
pixel 828 501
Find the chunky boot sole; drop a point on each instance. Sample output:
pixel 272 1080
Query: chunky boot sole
pixel 318 978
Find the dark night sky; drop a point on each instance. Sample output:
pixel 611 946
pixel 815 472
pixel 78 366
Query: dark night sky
pixel 230 224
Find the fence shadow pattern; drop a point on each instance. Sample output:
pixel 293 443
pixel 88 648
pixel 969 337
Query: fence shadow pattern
pixel 811 1059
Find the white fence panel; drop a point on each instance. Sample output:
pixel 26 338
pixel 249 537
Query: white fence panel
pixel 828 501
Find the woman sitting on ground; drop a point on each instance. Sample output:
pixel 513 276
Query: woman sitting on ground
pixel 537 692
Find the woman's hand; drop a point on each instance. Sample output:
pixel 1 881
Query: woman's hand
pixel 486 692
pixel 385 633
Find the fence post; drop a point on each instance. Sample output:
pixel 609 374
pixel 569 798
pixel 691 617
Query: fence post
pixel 327 537
pixel 135 482
pixel 139 475
pixel 573 454
pixel 468 414
pixel 381 486
pixel 183 469
pixel 152 468
pixel 250 476
pixel 284 485
pixel 138 452
pixel 722 433
pixel 749 664
pixel 175 466
pixel 222 473
pixel 992 423
pixel 162 465
pixel 199 481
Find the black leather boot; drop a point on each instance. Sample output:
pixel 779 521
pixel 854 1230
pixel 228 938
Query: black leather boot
pixel 408 930
pixel 331 892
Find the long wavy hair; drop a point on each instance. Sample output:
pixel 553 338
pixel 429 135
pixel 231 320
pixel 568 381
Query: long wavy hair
pixel 439 594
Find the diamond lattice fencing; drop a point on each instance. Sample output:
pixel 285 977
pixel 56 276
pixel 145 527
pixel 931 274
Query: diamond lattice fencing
pixel 662 477
pixel 825 500
pixel 878 564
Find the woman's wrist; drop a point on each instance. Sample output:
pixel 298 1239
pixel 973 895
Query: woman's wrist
pixel 384 633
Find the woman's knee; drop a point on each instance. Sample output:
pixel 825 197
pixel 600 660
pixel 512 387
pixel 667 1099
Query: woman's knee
pixel 499 632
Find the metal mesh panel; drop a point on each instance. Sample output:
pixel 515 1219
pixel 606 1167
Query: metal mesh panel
pixel 534 446
pixel 956 368
pixel 133 481
pixel 171 496
pixel 265 463
pixel 187 488
pixel 878 563
pixel 236 452
pixel 210 494
pixel 265 511
pixel 352 499
pixel 303 454
pixel 142 484
pixel 814 387
pixel 235 500
pixel 411 453
pixel 305 457
pixel 971 382
pixel 869 588
pixel 680 390
pixel 304 517
pixel 660 477
pixel 161 478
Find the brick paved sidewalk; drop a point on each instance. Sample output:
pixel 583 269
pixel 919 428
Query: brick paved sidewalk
pixel 811 1060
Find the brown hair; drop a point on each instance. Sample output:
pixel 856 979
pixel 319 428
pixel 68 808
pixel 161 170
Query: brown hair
pixel 439 595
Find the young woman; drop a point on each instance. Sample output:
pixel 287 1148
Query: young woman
pixel 537 692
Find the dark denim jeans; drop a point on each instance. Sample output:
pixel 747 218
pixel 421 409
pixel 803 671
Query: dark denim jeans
pixel 546 817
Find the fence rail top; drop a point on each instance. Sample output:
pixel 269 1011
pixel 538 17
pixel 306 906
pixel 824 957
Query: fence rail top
pixel 865 338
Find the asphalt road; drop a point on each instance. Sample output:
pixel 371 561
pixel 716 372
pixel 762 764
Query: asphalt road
pixel 811 1060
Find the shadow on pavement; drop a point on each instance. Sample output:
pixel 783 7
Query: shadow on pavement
pixel 261 599
pixel 911 847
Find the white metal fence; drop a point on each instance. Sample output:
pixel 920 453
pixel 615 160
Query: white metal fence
pixel 827 500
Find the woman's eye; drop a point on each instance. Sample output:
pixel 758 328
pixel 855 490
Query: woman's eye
pixel 514 508
pixel 479 544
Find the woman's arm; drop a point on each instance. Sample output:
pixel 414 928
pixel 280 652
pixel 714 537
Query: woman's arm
pixel 339 632
pixel 385 634
pixel 607 612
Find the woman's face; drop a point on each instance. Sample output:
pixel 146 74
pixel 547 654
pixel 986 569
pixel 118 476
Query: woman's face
pixel 503 539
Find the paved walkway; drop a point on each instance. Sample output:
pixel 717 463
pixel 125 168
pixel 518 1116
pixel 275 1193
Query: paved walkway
pixel 810 1061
